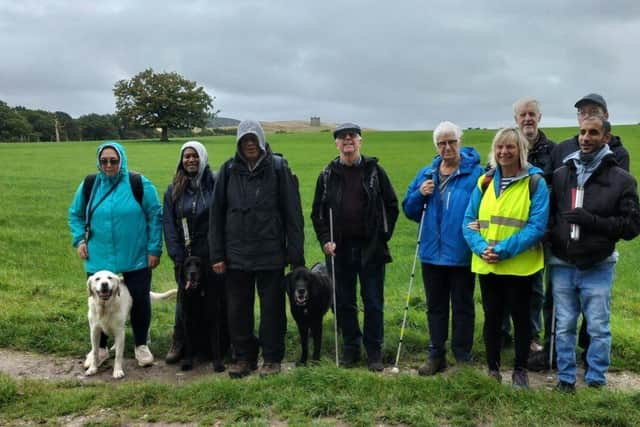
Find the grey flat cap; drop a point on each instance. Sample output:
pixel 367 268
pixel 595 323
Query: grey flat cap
pixel 592 98
pixel 347 127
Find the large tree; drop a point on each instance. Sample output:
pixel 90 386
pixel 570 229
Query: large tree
pixel 162 100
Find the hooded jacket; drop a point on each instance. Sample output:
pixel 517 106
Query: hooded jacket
pixel 610 195
pixel 193 204
pixel 572 145
pixel 381 211
pixel 123 233
pixel 256 219
pixel 528 236
pixel 441 239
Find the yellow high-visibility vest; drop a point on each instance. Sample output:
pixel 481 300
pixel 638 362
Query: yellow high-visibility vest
pixel 499 218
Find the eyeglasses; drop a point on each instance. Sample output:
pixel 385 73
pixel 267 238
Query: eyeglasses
pixel 105 162
pixel 450 143
pixel 351 134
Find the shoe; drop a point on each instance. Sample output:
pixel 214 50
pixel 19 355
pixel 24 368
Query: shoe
pixel 103 355
pixel 539 361
pixel 350 358
pixel 534 346
pixel 374 361
pixel 175 353
pixel 269 368
pixel 495 375
pixel 519 379
pixel 565 387
pixel 143 355
pixel 433 366
pixel 240 369
pixel 596 385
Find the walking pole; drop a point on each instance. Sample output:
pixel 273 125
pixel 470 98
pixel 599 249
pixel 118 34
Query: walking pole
pixel 553 335
pixel 333 285
pixel 395 368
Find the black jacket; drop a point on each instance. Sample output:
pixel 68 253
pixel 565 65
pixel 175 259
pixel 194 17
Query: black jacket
pixel 571 145
pixel 540 155
pixel 611 196
pixel 197 219
pixel 256 219
pixel 381 212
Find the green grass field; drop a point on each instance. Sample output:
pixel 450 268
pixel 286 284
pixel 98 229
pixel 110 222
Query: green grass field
pixel 43 307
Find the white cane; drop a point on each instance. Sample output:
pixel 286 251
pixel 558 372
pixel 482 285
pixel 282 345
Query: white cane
pixel 333 285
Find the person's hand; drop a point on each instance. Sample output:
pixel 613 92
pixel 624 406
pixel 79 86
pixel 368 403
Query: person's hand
pixel 329 248
pixel 219 267
pixel 427 187
pixel 83 252
pixel 579 216
pixel 489 256
pixel 474 225
pixel 153 261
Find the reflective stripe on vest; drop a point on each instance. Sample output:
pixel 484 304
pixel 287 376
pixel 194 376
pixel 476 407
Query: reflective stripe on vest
pixel 501 217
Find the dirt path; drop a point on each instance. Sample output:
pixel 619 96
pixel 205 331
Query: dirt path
pixel 36 366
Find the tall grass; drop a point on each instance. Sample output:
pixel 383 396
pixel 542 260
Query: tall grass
pixel 43 302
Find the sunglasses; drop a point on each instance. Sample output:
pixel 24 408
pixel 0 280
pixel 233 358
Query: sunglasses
pixel 350 134
pixel 105 162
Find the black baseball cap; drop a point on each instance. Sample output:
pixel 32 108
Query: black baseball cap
pixel 592 98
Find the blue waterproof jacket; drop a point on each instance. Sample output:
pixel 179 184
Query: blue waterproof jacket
pixel 441 242
pixel 123 233
pixel 524 239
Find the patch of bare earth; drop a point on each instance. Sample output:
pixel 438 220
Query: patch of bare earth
pixel 18 364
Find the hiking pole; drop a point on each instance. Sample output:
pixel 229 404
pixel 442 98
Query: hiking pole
pixel 553 335
pixel 395 368
pixel 333 283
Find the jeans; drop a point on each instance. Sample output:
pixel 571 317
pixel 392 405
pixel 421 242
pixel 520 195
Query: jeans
pixel 441 285
pixel 241 286
pixel 590 291
pixel 139 285
pixel 348 269
pixel 498 293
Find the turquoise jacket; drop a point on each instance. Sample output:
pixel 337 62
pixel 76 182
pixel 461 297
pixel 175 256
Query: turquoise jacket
pixel 123 233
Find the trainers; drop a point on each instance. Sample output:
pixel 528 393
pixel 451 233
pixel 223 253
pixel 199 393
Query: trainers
pixel 519 379
pixel 535 346
pixel 269 368
pixel 495 375
pixel 565 387
pixel 103 355
pixel 433 366
pixel 240 369
pixel 143 355
pixel 175 353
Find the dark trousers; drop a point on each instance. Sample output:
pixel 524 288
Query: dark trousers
pixel 348 269
pixel 139 285
pixel 241 286
pixel 441 285
pixel 498 292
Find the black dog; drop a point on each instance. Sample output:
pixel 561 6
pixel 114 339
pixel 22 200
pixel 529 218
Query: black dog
pixel 309 299
pixel 203 314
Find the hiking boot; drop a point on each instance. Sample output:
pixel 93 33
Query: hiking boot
pixel 495 375
pixel 565 387
pixel 596 385
pixel 350 358
pixel 433 366
pixel 143 355
pixel 240 369
pixel 175 353
pixel 519 379
pixel 103 355
pixel 534 346
pixel 374 361
pixel 269 368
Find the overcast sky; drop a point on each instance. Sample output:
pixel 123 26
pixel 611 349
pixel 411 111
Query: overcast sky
pixel 382 64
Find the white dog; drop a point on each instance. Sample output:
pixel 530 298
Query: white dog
pixel 109 307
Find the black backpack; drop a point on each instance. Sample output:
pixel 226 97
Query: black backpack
pixel 135 180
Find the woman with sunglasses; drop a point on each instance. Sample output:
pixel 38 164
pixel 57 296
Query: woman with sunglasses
pixel 112 230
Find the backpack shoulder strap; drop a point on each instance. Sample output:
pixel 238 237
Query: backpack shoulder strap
pixel 533 183
pixel 488 177
pixel 87 186
pixel 135 180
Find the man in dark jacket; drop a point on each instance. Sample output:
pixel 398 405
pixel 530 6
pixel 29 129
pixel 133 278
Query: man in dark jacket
pixel 256 229
pixel 354 193
pixel 594 203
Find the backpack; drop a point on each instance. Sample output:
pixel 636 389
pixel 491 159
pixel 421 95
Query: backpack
pixel 488 177
pixel 374 182
pixel 135 180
